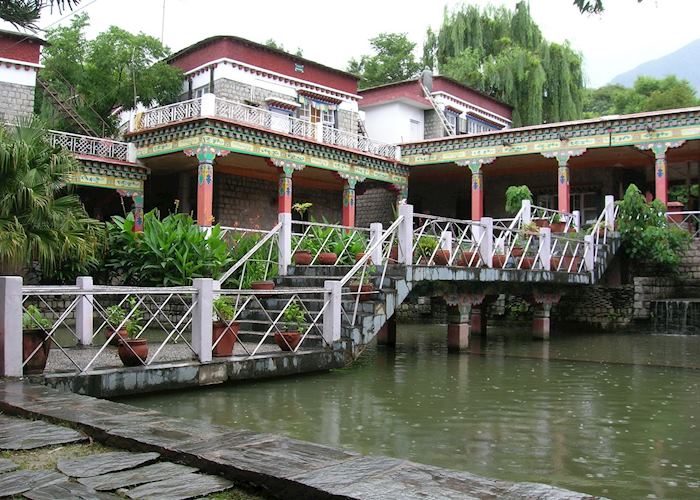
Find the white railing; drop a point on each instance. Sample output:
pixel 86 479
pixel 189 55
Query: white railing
pixel 265 119
pixel 444 241
pixel 328 244
pixel 168 114
pixel 257 256
pixel 687 220
pixel 355 141
pixel 91 146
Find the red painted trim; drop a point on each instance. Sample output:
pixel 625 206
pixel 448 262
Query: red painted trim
pixel 19 49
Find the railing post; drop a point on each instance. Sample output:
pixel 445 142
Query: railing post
pixel 284 243
pixel 375 234
pixel 208 105
pixel 526 215
pixel 446 244
pixel 11 355
pixel 83 311
pixel 406 235
pixel 610 212
pixel 397 153
pixel 577 220
pixel 589 252
pixel 486 244
pixel 131 152
pixel 331 314
pixel 202 319
pixel 318 132
pixel 546 248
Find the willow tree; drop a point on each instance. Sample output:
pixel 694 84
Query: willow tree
pixel 503 53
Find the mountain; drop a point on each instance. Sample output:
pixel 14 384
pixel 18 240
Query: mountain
pixel 682 63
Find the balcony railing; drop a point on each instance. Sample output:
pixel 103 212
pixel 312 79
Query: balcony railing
pixel 208 105
pixel 91 146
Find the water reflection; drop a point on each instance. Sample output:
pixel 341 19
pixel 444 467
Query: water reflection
pixel 513 409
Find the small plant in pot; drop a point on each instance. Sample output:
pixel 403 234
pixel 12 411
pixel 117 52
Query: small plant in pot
pixel 363 288
pixel 327 242
pixel 224 329
pixel 499 259
pixel 133 351
pixel 358 246
pixel 295 323
pixel 302 256
pixel 115 317
pixel 426 246
pixel 558 224
pixel 34 326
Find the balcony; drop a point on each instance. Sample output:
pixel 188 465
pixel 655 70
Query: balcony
pixel 210 106
pixel 92 146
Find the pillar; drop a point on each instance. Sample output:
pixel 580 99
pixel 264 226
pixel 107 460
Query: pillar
pixel 478 319
pixel 477 183
pixel 458 317
pixel 284 194
pixel 138 212
pixel 205 181
pixel 349 203
pixel 387 333
pixel 564 188
pixel 661 178
pixel 543 303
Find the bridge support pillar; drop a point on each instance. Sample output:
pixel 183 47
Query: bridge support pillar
pixel 458 317
pixel 541 325
pixel 387 334
pixel 478 319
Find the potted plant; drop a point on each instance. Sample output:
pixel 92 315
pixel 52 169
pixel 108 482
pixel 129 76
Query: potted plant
pixel 302 256
pixel 468 258
pixel 256 275
pixel 531 228
pixel 499 259
pixel 517 250
pixel 115 316
pixel 224 329
pixel 363 289
pixel 357 246
pixel 327 238
pixel 294 323
pixel 558 224
pixel 133 351
pixel 426 246
pixel 515 195
pixel 34 325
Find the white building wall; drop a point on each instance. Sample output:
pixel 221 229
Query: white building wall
pixel 391 122
pixel 24 75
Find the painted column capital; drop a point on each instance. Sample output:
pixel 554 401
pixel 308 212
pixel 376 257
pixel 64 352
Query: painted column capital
pixel 206 154
pixel 460 299
pixel 475 164
pixel 563 155
pixel 287 167
pixel 351 180
pixel 547 299
pixel 659 148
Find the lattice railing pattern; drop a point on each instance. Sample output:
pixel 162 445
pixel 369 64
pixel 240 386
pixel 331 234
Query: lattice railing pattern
pixel 90 146
pixel 167 114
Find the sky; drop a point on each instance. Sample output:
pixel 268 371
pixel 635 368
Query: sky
pixel 332 32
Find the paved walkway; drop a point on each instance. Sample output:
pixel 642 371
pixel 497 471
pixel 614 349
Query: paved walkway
pixel 285 468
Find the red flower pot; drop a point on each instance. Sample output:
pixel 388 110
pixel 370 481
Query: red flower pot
pixel 527 263
pixel 31 339
pixel 134 356
pixel 359 255
pixel 466 258
pixel 558 227
pixel 541 222
pixel 365 291
pixel 228 335
pixel 302 257
pixel 262 285
pixel 442 257
pixel 499 260
pixel 517 252
pixel 327 258
pixel 394 254
pixel 566 262
pixel 554 263
pixel 287 341
pixel 121 334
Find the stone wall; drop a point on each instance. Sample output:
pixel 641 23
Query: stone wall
pixel 599 306
pixel 16 101
pixel 689 268
pixel 433 126
pixel 376 204
pixel 649 289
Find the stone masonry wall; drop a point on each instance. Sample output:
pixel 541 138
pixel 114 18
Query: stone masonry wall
pixel 689 268
pixel 433 127
pixel 16 101
pixel 375 205
pixel 599 306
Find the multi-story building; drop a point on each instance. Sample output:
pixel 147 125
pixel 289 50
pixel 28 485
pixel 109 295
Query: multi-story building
pixel 19 63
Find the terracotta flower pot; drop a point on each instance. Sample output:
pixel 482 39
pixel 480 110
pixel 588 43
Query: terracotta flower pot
pixel 499 260
pixel 31 339
pixel 394 254
pixel 230 334
pixel 566 262
pixel 287 341
pixel 359 255
pixel 302 257
pixel 541 222
pixel 558 227
pixel 327 258
pixel 442 257
pixel 365 291
pixel 262 285
pixel 554 263
pixel 517 252
pixel 527 263
pixel 121 334
pixel 134 356
pixel 468 259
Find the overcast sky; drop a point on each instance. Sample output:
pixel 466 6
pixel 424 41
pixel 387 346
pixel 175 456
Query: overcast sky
pixel 331 32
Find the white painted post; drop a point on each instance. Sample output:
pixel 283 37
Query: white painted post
pixel 446 240
pixel 397 153
pixel 546 248
pixel 83 311
pixel 375 234
pixel 318 132
pixel 331 315
pixel 208 107
pixel 131 152
pixel 202 318
pixel 11 326
pixel 589 259
pixel 486 245
pixel 577 220
pixel 526 215
pixel 610 212
pixel 406 235
pixel 284 243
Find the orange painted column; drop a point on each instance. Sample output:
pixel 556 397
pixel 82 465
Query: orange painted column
pixel 661 178
pixel 477 183
pixel 284 194
pixel 205 155
pixel 564 189
pixel 349 203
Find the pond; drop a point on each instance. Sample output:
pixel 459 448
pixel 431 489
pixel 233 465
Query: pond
pixel 606 414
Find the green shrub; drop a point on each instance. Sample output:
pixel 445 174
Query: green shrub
pixel 647 236
pixel 116 314
pixel 224 308
pixel 262 264
pixel 169 252
pixel 32 319
pixel 515 195
pixel 294 317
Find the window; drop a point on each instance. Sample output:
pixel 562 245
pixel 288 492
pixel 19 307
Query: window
pixel 415 131
pixel 451 119
pixel 314 114
pixel 475 126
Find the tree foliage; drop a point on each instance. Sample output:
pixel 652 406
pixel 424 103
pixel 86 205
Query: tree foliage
pixel 646 234
pixel 41 222
pixel 105 75
pixel 393 61
pixel 25 13
pixel 647 94
pixel 503 53
pixel 592 6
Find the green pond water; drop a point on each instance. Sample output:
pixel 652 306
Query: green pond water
pixel 613 415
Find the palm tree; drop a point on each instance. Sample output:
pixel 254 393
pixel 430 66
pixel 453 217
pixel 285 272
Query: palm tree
pixel 41 222
pixel 25 13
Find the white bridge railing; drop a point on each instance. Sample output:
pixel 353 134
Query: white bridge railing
pixel 211 106
pixel 686 220
pixel 90 146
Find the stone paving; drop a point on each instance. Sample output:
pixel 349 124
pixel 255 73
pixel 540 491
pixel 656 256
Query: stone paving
pixel 283 467
pixel 97 476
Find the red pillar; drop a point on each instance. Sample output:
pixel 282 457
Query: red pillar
pixel 349 203
pixel 477 183
pixel 458 317
pixel 661 177
pixel 478 319
pixel 563 189
pixel 138 212
pixel 205 193
pixel 284 195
